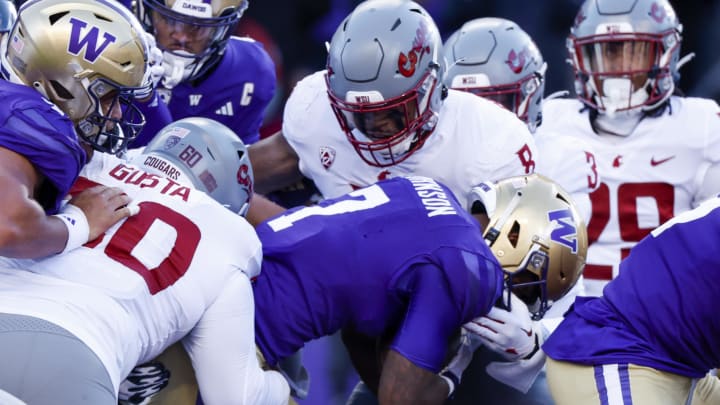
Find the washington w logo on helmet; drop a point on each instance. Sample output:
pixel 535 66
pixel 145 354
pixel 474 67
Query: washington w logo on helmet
pixel 89 41
pixel 566 233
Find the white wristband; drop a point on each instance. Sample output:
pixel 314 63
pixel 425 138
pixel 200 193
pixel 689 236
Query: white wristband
pixel 450 383
pixel 77 226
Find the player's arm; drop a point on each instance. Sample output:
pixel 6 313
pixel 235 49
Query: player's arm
pixel 26 231
pixel 275 163
pixel 222 350
pixel 365 357
pixel 261 209
pixel 412 371
pixel 402 382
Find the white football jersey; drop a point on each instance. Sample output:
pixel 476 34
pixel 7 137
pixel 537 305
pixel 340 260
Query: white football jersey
pixel 646 178
pixel 475 140
pixel 147 281
pixel 570 162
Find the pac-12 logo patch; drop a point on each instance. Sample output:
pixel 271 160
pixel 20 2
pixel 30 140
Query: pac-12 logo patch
pixel 327 156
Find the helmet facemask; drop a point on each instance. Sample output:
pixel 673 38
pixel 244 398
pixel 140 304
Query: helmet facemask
pixel 625 55
pixel 386 132
pixel 115 120
pixel 203 35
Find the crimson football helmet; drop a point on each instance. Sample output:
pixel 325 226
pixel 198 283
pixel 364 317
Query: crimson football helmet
pixel 385 79
pixel 625 54
pixel 537 235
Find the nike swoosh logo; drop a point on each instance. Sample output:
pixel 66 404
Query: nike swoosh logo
pixel 654 162
pixel 529 332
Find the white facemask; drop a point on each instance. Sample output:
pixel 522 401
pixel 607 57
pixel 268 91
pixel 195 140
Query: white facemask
pixel 618 95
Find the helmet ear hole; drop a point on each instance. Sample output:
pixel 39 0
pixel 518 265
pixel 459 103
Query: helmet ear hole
pixel 514 234
pixel 60 90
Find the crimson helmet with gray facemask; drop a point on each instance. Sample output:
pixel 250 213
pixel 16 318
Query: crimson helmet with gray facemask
pixel 625 54
pixel 205 154
pixel 385 79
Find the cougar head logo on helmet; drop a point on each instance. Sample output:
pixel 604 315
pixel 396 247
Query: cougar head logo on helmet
pixel 88 57
pixel 494 58
pixel 537 235
pixel 384 79
pixel 625 54
pixel 192 33
pixel 205 154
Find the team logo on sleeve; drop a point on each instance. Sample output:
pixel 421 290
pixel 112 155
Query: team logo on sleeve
pixel 565 232
pixel 90 40
pixel 327 156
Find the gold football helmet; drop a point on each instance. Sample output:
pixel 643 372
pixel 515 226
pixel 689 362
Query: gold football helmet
pixel 537 235
pixel 89 57
pixel 209 22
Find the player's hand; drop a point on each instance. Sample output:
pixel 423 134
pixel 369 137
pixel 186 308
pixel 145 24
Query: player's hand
pixel 103 207
pixel 143 382
pixel 461 360
pixel 510 333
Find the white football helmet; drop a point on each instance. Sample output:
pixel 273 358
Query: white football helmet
pixel 385 79
pixel 494 58
pixel 537 235
pixel 88 57
pixel 205 154
pixel 625 54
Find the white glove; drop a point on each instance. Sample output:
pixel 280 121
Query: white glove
pixel 452 373
pixel 519 374
pixel 510 333
pixel 163 68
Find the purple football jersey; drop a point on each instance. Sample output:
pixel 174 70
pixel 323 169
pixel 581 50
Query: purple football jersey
pixel 399 255
pixel 35 128
pixel 660 311
pixel 234 93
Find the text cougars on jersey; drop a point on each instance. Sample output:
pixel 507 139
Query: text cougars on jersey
pixel 433 196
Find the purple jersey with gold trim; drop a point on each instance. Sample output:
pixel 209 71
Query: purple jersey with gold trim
pixel 660 311
pixel 401 256
pixel 31 126
pixel 235 93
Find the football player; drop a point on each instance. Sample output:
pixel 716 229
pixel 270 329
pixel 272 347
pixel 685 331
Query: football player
pixel 658 152
pixel 403 267
pixel 380 110
pixel 496 59
pixel 651 335
pixel 205 70
pixel 71 70
pixel 74 325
